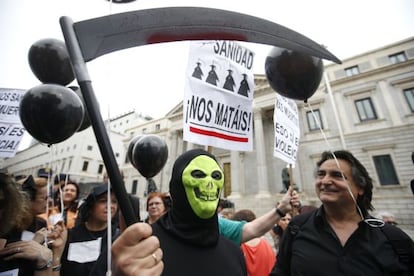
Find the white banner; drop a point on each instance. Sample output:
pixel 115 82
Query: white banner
pixel 11 129
pixel 218 95
pixel 287 132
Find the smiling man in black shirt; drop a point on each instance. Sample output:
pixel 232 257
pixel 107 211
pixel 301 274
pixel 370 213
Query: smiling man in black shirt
pixel 341 238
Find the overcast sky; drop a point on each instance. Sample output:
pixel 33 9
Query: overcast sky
pixel 150 79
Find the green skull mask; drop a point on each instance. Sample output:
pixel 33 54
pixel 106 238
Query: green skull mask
pixel 203 180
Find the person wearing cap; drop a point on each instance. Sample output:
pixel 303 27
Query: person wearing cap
pixel 45 173
pixel 88 240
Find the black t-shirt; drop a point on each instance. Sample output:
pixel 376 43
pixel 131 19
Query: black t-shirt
pixel 82 249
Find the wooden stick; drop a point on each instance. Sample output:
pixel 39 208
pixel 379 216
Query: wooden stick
pixel 290 176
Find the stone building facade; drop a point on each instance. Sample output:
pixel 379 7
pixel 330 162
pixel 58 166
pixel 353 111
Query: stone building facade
pixel 365 105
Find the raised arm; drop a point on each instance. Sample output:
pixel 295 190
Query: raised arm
pixel 264 223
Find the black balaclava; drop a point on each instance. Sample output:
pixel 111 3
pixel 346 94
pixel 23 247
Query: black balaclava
pixel 181 221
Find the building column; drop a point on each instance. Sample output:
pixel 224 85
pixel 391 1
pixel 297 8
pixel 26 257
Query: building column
pixel 387 93
pixel 180 144
pixel 171 140
pixel 235 174
pixel 262 182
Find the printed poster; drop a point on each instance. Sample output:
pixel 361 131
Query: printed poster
pixel 218 98
pixel 11 129
pixel 287 132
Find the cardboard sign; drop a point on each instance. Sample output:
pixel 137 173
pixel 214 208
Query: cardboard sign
pixel 219 95
pixel 11 129
pixel 287 132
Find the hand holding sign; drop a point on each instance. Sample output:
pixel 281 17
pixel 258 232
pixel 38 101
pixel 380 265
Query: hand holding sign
pixel 292 74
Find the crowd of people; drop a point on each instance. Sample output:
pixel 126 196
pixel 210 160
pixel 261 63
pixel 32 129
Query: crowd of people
pixel 191 230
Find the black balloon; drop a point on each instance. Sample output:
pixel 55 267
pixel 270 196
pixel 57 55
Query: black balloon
pixel 293 74
pixel 51 113
pixel 50 62
pixel 149 155
pixel 86 121
pixel 131 147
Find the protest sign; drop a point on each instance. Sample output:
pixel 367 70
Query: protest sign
pixel 287 132
pixel 218 95
pixel 11 129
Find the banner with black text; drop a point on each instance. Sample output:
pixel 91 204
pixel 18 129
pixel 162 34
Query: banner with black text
pixel 11 129
pixel 219 95
pixel 287 132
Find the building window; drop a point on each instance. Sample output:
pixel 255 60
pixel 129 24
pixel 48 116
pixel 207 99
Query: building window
pixel 100 168
pixel 85 166
pixel 409 96
pixel 385 170
pixel 134 187
pixel 365 109
pixel 352 71
pixel 89 148
pixel 397 58
pixel 314 119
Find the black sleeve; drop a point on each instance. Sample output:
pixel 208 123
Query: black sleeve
pixel 402 244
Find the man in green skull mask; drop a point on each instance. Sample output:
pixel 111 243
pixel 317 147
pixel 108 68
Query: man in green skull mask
pixel 188 232
pixel 203 181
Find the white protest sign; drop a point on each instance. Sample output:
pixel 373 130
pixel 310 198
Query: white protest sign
pixel 287 132
pixel 11 129
pixel 218 95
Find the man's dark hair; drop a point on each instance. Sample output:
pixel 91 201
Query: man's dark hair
pixel 359 174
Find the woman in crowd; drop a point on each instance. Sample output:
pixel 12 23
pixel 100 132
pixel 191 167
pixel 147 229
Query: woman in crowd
pixel 65 203
pixel 36 191
pixel 258 253
pixel 279 229
pixel 156 207
pixel 26 257
pixel 88 240
pixel 70 202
